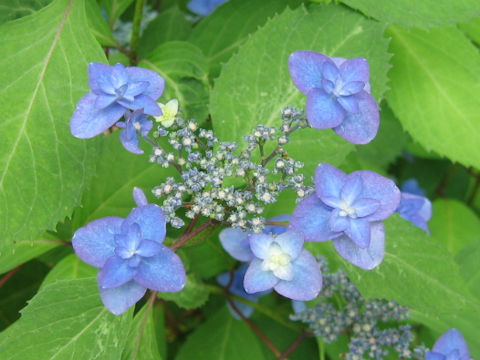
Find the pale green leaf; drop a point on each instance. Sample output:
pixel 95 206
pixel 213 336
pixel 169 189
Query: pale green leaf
pixel 220 34
pixel 453 224
pixel 66 320
pixel 469 259
pixel 43 72
pixel 472 30
pixel 435 77
pixel 255 84
pixel 98 24
pixel 421 14
pixel 193 295
pixel 184 69
pixel 70 268
pixel 221 337
pixel 169 25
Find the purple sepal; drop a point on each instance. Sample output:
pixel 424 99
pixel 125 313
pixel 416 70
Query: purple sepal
pixel 115 272
pixel 323 111
pixel 369 257
pixel 236 243
pixel 452 340
pixel 151 220
pixel 257 279
pixel 416 209
pixel 119 299
pixel 139 197
pixel 306 69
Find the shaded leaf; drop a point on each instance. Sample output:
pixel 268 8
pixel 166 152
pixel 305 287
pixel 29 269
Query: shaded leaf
pixel 193 295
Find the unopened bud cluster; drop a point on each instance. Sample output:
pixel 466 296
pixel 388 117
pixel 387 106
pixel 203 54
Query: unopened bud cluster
pixel 222 182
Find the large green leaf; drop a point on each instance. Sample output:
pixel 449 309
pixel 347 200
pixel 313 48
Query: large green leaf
pixel 453 224
pixel 472 30
pixel 66 320
pixel 118 172
pixel 255 84
pixel 43 72
pixel 69 268
pixel 184 68
pixel 223 32
pixel 422 14
pixel 435 77
pixel 14 9
pixel 98 24
pixel 221 337
pixel 468 258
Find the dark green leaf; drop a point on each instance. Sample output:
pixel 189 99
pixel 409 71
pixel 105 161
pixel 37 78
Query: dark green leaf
pixel 115 8
pixel 14 9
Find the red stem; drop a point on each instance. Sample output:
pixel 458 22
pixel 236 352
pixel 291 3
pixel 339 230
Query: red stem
pixel 185 237
pixel 293 346
pixel 9 275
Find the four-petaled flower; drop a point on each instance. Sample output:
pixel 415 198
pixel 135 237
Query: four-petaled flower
pixel 338 94
pixel 237 288
pixel 347 209
pixel 169 112
pixel 136 122
pixel 450 346
pixel 130 255
pixel 115 89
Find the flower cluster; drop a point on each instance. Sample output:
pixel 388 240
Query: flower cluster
pixel 348 209
pixel 116 91
pixel 366 320
pixel 338 94
pixel 209 170
pixel 130 255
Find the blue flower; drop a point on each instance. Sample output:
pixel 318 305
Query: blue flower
pixel 204 7
pixel 136 122
pixel 338 94
pixel 450 346
pixel 411 186
pixel 416 209
pixel 347 209
pixel 130 255
pixel 115 89
pixel 237 288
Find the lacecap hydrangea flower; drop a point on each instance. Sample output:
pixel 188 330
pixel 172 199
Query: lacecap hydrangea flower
pixel 237 288
pixel 130 255
pixel 338 94
pixel 135 122
pixel 115 90
pixel 204 7
pixel 276 261
pixel 348 209
pixel 450 346
pixel 415 207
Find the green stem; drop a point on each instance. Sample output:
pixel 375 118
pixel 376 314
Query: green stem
pixel 272 315
pixel 137 19
pixel 321 348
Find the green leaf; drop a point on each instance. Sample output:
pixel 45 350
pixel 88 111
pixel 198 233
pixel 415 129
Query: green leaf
pixel 434 77
pixel 472 30
pixel 66 320
pixel 15 9
pixel 69 268
pixel 115 8
pixel 193 295
pixel 226 29
pixel 255 84
pixel 421 14
pixel 416 272
pixel 468 259
pixel 208 258
pixel 184 69
pixel 43 73
pixel 24 251
pixel 453 224
pixel 389 142
pixel 118 172
pixel 98 24
pixel 143 342
pixel 221 337
pixel 169 25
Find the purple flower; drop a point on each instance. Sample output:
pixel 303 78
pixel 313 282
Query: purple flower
pixel 130 255
pixel 136 122
pixel 237 288
pixel 204 7
pixel 416 209
pixel 338 94
pixel 450 346
pixel 347 209
pixel 115 89
pixel 411 186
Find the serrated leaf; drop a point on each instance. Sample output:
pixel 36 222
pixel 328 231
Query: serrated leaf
pixel 15 9
pixel 255 84
pixel 223 32
pixel 169 25
pixel 434 77
pixel 420 14
pixel 193 295
pixel 468 258
pixel 453 224
pixel 143 339
pixel 66 320
pixel 70 268
pixel 184 68
pixel 118 172
pixel 221 337
pixel 43 73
